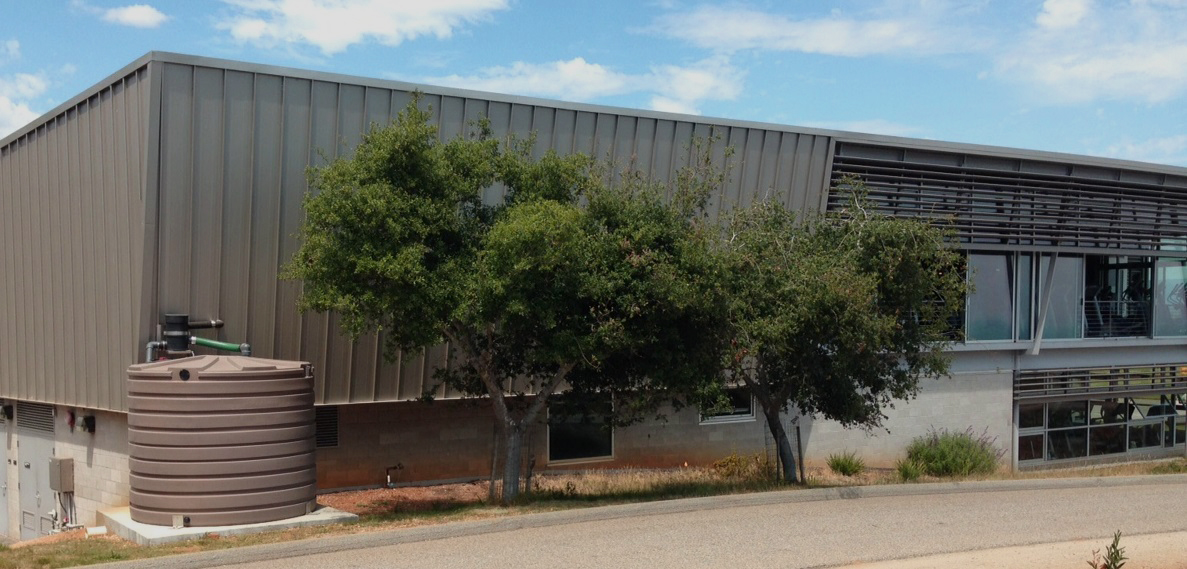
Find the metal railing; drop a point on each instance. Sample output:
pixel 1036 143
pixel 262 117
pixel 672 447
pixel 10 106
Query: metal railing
pixel 1116 318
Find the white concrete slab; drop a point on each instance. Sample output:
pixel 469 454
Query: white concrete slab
pixel 119 521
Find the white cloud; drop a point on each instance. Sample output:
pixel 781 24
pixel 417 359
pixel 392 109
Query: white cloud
pixel 1132 50
pixel 1060 14
pixel 672 88
pixel 10 50
pixel 730 29
pixel 1166 150
pixel 334 25
pixel 135 15
pixel 871 126
pixel 16 93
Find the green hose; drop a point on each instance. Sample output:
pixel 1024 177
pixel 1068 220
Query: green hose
pixel 216 344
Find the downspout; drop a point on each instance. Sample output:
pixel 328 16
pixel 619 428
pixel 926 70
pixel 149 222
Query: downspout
pixel 151 347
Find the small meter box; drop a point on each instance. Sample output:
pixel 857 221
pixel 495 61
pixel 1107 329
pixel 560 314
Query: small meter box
pixel 61 474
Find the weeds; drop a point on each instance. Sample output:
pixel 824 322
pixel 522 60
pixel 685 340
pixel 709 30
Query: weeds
pixel 846 464
pixel 1175 467
pixel 908 470
pixel 1114 555
pixel 948 453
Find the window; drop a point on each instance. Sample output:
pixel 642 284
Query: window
pixel 741 408
pixel 989 316
pixel 575 437
pixel 1170 297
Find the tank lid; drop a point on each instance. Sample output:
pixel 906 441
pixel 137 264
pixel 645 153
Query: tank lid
pixel 216 365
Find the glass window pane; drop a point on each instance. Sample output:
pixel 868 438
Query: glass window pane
pixel 1107 411
pixel 1064 316
pixel 1106 440
pixel 1030 415
pixel 1030 447
pixel 1067 443
pixel 990 313
pixel 1145 436
pixel 1170 298
pixel 1025 279
pixel 1067 414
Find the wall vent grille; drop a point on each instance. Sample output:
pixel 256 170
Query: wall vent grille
pixel 326 421
pixel 35 417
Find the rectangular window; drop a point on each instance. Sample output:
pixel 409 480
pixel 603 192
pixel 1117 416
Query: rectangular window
pixel 575 437
pixel 741 408
pixel 989 307
pixel 1024 301
pixel 1064 316
pixel 1170 298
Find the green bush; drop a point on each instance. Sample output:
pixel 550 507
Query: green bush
pixel 908 470
pixel 948 453
pixel 846 464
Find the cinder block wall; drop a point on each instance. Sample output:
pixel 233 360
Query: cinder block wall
pixel 100 460
pixel 980 400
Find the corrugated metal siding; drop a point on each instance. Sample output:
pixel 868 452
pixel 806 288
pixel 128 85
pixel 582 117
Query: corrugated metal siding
pixel 234 147
pixel 72 222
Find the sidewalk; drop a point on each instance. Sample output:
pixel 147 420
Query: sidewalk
pixel 1151 551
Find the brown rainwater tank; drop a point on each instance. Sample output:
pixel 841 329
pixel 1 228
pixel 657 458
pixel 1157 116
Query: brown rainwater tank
pixel 220 440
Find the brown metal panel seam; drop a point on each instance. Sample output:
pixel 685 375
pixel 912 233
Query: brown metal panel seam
pixel 150 269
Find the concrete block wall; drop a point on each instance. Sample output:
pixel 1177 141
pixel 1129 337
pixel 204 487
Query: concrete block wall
pixel 980 400
pixel 100 460
pixel 448 440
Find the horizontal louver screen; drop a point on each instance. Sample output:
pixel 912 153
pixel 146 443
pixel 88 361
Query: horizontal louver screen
pixel 1081 383
pixel 1018 203
pixel 326 419
pixel 35 417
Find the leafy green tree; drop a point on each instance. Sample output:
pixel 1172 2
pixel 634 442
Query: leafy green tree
pixel 567 282
pixel 839 314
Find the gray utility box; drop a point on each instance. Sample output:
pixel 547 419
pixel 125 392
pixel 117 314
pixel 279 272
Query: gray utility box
pixel 61 474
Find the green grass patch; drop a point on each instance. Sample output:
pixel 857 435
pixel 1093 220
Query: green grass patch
pixel 846 464
pixel 1178 466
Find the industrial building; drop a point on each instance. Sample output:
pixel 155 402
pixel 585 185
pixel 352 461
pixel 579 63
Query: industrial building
pixel 175 186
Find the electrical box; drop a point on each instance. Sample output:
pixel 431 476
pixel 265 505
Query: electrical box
pixel 61 474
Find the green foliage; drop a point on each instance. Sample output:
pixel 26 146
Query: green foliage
pixel 1114 555
pixel 846 464
pixel 742 467
pixel 1177 466
pixel 908 470
pixel 947 453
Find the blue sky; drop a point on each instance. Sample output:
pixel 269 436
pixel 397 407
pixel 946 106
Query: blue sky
pixel 1099 77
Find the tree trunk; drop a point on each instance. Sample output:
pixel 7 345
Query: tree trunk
pixel 783 444
pixel 513 455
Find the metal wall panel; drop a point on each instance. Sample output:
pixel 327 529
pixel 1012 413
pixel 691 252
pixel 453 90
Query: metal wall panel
pixel 72 219
pixel 234 148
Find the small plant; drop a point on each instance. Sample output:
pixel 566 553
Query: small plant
pixel 948 453
pixel 1175 467
pixel 741 467
pixel 908 470
pixel 846 464
pixel 1114 555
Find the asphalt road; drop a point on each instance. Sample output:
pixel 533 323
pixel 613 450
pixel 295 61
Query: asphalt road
pixel 806 528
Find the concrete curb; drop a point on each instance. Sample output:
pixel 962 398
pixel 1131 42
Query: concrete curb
pixel 510 523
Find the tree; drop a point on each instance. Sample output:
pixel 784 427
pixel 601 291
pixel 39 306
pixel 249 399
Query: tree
pixel 568 281
pixel 840 314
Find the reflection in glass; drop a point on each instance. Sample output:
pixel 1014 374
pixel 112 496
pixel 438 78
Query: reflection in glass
pixel 1067 443
pixel 1030 447
pixel 989 312
pixel 1067 414
pixel 1170 297
pixel 1023 304
pixel 1106 440
pixel 1145 436
pixel 1063 312
pixel 1107 411
pixel 1030 415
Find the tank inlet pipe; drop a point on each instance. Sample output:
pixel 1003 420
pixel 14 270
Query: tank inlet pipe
pixel 151 347
pixel 243 349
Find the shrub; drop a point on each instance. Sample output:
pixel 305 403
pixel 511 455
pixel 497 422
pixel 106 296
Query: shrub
pixel 908 470
pixel 948 453
pixel 846 464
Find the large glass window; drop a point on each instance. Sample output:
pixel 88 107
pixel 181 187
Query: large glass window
pixel 1170 297
pixel 1099 427
pixel 990 314
pixel 1063 310
pixel 578 437
pixel 1024 300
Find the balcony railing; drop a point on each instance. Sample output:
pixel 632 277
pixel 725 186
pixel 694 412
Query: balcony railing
pixel 1116 318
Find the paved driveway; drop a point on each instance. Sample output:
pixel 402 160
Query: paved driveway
pixel 816 528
